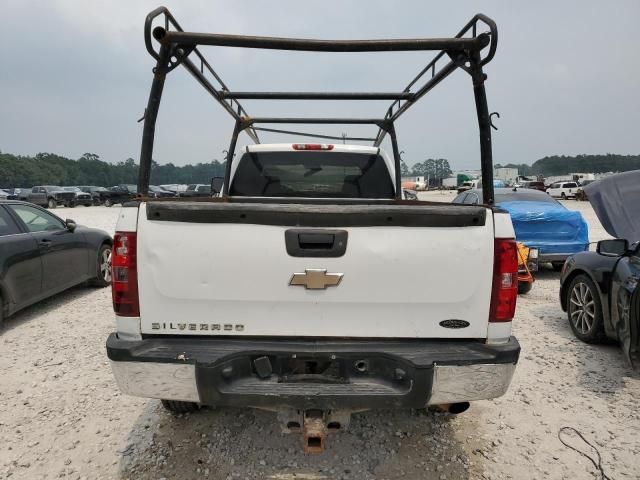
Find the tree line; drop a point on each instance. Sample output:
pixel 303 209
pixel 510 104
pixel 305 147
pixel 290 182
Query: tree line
pixel 563 164
pixel 51 169
pixel 432 169
pixel 89 169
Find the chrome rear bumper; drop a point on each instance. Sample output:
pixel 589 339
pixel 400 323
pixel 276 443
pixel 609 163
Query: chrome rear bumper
pixel 367 374
pixel 451 384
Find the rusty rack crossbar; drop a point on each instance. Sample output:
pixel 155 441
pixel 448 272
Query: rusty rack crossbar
pixel 179 48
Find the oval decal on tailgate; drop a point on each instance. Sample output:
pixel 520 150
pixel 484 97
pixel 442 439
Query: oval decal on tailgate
pixel 454 323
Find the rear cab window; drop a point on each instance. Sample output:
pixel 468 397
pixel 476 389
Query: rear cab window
pixel 312 174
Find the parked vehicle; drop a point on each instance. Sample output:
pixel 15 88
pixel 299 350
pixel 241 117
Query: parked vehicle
pixel 469 185
pixel 157 192
pixel 297 290
pixel 16 193
pixel 527 263
pixel 600 290
pixel 120 194
pixel 539 222
pixel 409 194
pixel 534 185
pixel 197 190
pixel 51 196
pixel 98 194
pixel 477 184
pixel 82 198
pixel 105 196
pixel 41 255
pixel 581 195
pixel 563 190
pixel 174 187
pixel 7 195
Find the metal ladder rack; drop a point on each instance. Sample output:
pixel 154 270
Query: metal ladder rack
pixel 179 48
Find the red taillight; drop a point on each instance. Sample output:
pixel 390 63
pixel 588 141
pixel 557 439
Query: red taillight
pixel 312 146
pixel 505 281
pixel 124 278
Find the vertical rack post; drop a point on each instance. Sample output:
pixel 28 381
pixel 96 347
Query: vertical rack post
pixel 396 159
pixel 150 117
pixel 230 153
pixel 484 124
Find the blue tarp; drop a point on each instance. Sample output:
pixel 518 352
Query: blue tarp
pixel 498 183
pixel 550 227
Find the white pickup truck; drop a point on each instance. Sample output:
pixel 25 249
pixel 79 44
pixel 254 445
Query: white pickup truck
pixel 296 289
pixel 285 297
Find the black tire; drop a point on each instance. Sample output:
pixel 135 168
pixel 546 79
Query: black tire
pixel 563 196
pixel 108 203
pixel 557 266
pixel 103 267
pixel 87 204
pixel 584 310
pixel 71 205
pixel 175 406
pixel 1 313
pixel 524 287
pixel 51 203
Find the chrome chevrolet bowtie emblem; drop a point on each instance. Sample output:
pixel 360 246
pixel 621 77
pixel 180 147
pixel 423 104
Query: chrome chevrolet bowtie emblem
pixel 316 279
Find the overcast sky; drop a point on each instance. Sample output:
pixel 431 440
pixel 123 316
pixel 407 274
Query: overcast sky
pixel 75 76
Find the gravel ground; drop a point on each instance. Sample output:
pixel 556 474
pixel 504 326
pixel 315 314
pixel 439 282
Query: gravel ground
pixel 61 415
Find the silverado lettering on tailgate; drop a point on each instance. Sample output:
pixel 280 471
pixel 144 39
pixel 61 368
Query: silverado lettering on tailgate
pixel 198 327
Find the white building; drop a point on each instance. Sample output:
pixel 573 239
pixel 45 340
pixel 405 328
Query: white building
pixel 507 175
pixel 450 182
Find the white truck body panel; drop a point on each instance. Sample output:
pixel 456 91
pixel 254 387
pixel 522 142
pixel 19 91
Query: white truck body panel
pixel 398 282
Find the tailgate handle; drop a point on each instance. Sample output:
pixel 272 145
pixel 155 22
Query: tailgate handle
pixel 311 241
pixel 315 242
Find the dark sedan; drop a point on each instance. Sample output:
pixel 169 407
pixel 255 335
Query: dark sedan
pixel 159 192
pixel 600 291
pixel 41 255
pixel 534 185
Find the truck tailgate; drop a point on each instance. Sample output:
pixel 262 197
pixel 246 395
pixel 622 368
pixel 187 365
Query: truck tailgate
pixel 224 269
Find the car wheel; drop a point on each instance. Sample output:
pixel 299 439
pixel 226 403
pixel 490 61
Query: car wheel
pixel 524 287
pixel 557 266
pixel 175 406
pixel 108 203
pixel 584 310
pixel 71 205
pixel 51 203
pixel 1 313
pixel 103 275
